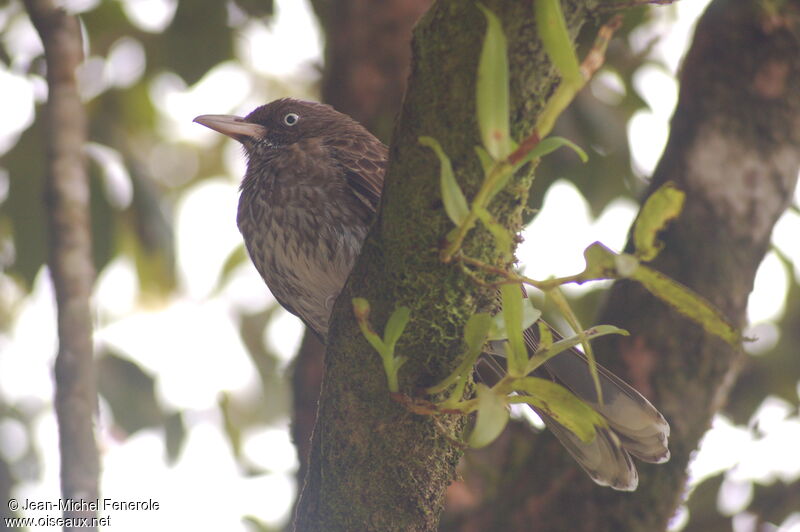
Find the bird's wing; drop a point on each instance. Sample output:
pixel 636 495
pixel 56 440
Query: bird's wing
pixel 363 159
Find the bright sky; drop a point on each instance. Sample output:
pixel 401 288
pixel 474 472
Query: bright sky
pixel 205 489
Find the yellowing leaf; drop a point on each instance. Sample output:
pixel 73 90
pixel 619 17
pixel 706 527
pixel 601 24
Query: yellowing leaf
pixel 561 405
pixel 662 206
pixel 690 304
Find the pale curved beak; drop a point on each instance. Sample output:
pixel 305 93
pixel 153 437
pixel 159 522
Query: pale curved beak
pixel 231 125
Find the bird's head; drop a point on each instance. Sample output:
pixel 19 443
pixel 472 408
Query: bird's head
pixel 278 124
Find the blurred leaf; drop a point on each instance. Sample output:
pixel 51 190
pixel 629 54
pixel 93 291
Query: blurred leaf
pixel 105 24
pixel 148 237
pixel 232 429
pixel 663 205
pixel 702 505
pixel 236 257
pixel 196 41
pixel 774 373
pixel 776 502
pixel 175 435
pixel 561 405
pixel 274 386
pixel 129 391
pixel 257 525
pixel 492 89
pixel 256 8
pixel 492 417
pixel 103 218
pixel 23 207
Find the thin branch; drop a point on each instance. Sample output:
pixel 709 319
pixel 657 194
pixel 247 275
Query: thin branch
pixel 70 261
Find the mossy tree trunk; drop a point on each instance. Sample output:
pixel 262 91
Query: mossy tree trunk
pixel 374 465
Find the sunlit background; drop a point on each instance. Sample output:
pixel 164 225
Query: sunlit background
pixel 191 339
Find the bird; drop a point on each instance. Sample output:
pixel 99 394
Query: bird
pixel 309 195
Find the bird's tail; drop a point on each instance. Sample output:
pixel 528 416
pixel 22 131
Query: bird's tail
pixel 635 427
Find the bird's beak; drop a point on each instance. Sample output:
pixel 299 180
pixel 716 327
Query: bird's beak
pixel 231 125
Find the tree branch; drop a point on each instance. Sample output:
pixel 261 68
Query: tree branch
pixel 70 263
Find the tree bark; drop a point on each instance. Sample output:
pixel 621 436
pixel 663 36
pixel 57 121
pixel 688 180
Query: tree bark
pixel 734 148
pixel 374 465
pixel 70 262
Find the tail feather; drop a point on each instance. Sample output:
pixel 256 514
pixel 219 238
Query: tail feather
pixel 635 427
pixel 641 428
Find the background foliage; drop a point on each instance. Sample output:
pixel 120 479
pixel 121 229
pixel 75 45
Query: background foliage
pixel 192 352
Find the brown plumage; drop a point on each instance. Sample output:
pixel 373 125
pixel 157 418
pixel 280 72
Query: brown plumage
pixel 313 182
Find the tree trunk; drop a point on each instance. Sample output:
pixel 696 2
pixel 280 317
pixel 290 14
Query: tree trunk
pixel 70 260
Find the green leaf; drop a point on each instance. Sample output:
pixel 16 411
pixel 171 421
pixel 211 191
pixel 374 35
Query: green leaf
pixel 512 315
pixel 492 89
pixel 689 303
pixel 546 352
pixel 555 37
pixel 361 311
pixel 476 330
pixel 601 262
pixel 503 238
pixel 561 405
pixel 492 417
pixel 545 335
pixel 549 145
pixel 529 316
pixel 505 171
pixel 486 160
pixel 557 297
pixel 395 326
pixel 663 205
pixel 455 204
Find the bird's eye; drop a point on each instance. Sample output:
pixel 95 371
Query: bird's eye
pixel 291 119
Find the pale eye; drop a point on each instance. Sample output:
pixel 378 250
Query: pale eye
pixel 291 119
